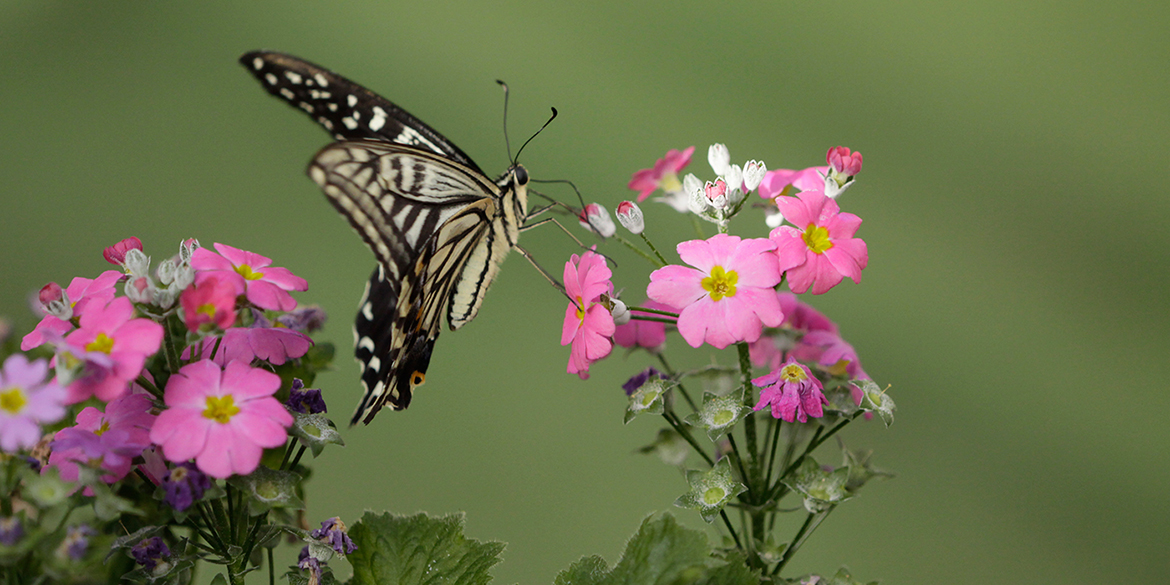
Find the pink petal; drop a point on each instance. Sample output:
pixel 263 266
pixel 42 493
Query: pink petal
pixel 181 432
pixel 216 457
pixel 754 264
pixel 50 326
pixel 698 253
pixel 243 381
pixel 192 385
pixel 843 226
pixel 571 325
pixel 260 430
pixel 266 295
pixel 826 276
pixel 677 286
pixel 203 259
pixel 138 335
pixel 795 211
pixel 791 251
pixel 843 262
pixel 240 257
pixel 285 279
pixel 801 277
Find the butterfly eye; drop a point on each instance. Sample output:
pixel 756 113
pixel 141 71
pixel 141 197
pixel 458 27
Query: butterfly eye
pixel 521 175
pixel 417 379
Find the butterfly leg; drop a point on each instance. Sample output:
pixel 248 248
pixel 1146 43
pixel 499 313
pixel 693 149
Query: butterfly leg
pixel 550 278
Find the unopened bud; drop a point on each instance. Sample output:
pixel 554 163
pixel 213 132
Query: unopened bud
pixel 55 301
pixel 116 254
pixel 596 219
pixel 720 159
pixel 630 216
pixel 753 175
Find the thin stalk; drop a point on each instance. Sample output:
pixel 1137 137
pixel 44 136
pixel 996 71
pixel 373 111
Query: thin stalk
pixel 802 535
pixel 695 223
pixel 749 422
pixel 297 459
pixel 170 352
pixel 215 540
pixel 656 319
pixel 671 418
pixel 639 251
pixel 772 456
pixel 738 460
pixel 734 536
pixel 271 569
pixel 287 454
pixel 670 372
pixel 653 249
pixel 816 441
pixel 654 311
pixel 149 386
pixel 231 515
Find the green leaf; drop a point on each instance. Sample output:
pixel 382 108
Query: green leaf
pixel 418 549
pixel 315 431
pixel 662 552
pixel 821 489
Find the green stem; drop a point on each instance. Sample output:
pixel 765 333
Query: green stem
pixel 149 386
pixel 674 375
pixel 738 460
pixel 776 424
pixel 653 249
pixel 671 418
pixel 271 569
pixel 657 319
pixel 297 459
pixel 639 251
pixel 695 223
pixel 654 311
pixel 731 529
pixel 802 535
pixel 749 422
pixel 816 441
pixel 170 352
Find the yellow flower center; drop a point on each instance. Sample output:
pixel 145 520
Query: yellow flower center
pixel 221 409
pixel 13 400
pixel 581 309
pixel 246 271
pixel 103 343
pixel 102 429
pixel 206 309
pixel 721 283
pixel 670 183
pixel 816 238
pixel 793 373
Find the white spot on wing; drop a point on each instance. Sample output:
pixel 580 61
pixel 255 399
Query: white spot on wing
pixel 293 76
pixel 366 343
pixel 270 78
pixel 379 119
pixel 351 100
pixel 257 63
pixel 321 80
pixel 287 93
pixel 368 311
pixel 332 106
pixel 349 122
pixel 375 364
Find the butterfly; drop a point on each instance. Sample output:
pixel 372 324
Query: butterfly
pixel 438 226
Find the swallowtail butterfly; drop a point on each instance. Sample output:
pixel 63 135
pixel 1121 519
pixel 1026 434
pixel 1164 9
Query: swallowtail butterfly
pixel 438 226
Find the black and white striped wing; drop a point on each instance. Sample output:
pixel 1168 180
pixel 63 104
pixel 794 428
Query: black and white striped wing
pixel 423 216
pixel 345 109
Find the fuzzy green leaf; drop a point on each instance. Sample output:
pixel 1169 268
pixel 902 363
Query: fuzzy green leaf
pixel 418 549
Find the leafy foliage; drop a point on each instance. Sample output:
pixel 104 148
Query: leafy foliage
pixel 418 549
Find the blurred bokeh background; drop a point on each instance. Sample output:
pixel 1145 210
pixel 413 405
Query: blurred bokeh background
pixel 1013 196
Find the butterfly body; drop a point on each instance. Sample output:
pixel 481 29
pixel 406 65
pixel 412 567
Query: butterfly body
pixel 437 225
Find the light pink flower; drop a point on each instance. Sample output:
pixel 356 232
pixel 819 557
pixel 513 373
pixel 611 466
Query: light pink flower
pixel 112 330
pixel 588 324
pixel 114 438
pixel 209 304
pixel 727 297
pixel 770 350
pixel 595 218
pixel 648 334
pixel 792 390
pixel 775 181
pixel 818 249
pixel 251 274
pixel 831 352
pixel 275 345
pixel 77 296
pixel 664 175
pixel 26 402
pixel 224 418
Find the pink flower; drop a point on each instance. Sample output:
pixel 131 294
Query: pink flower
pixel 250 274
pixel 775 182
pixel 114 438
pixel 588 324
pixel 824 251
pixel 76 297
pixel 116 254
pixel 209 304
pixel 831 352
pixel 223 418
pixel 26 402
pixel 794 393
pixel 728 296
pixel 844 163
pixel 648 334
pixel 664 175
pixel 125 341
pixel 275 345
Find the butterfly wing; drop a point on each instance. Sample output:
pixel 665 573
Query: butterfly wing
pixel 423 216
pixel 345 109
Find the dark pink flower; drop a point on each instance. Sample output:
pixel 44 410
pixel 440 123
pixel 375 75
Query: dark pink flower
pixel 588 324
pixel 113 438
pixel 116 254
pixel 818 250
pixel 843 163
pixel 727 297
pixel 224 418
pixel 664 175
pixel 275 345
pixel 126 341
pixel 77 296
pixel 250 274
pixel 648 334
pixel 209 304
pixel 792 391
pixel 831 352
pixel 771 350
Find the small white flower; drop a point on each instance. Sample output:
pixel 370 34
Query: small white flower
pixel 630 216
pixel 136 262
pixel 753 174
pixel 720 159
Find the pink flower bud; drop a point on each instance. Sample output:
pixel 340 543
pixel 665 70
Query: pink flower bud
pixel 843 162
pixel 55 301
pixel 116 254
pixel 630 216
pixel 596 219
pixel 716 193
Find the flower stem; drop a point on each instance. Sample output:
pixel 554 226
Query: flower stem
pixel 654 311
pixel 142 381
pixel 749 422
pixel 673 420
pixel 772 457
pixel 640 252
pixel 658 319
pixel 674 375
pixel 653 249
pixel 810 524
pixel 731 529
pixel 738 459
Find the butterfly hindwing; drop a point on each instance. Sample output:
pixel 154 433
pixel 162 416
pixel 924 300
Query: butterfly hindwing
pixel 345 109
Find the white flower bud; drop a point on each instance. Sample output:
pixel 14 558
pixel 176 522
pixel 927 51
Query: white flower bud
pixel 137 263
pixel 596 219
pixel 753 174
pixel 166 271
pixel 621 314
pixel 630 216
pixel 720 159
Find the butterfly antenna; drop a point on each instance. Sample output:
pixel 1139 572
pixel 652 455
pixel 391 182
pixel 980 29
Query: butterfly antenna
pixel 507 144
pixel 550 119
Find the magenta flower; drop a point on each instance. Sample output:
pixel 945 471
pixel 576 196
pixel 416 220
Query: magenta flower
pixel 727 297
pixel 224 418
pixel 648 334
pixel 663 176
pixel 114 438
pixel 72 302
pixel 792 390
pixel 822 252
pixel 250 274
pixel 26 402
pixel 112 330
pixel 588 324
pixel 771 350
pixel 844 164
pixel 209 305
pixel 116 254
pixel 775 182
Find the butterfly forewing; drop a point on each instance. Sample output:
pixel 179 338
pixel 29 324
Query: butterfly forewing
pixel 345 109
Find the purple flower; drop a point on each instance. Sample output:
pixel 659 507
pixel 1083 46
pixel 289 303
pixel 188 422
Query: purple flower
pixel 114 438
pixel 333 532
pixel 184 485
pixel 26 402
pixel 305 401
pixel 149 552
pixel 311 564
pixel 76 542
pixel 10 530
pixel 640 378
pixel 794 393
pixel 307 319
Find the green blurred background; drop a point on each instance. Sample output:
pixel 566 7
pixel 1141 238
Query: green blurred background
pixel 1013 195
